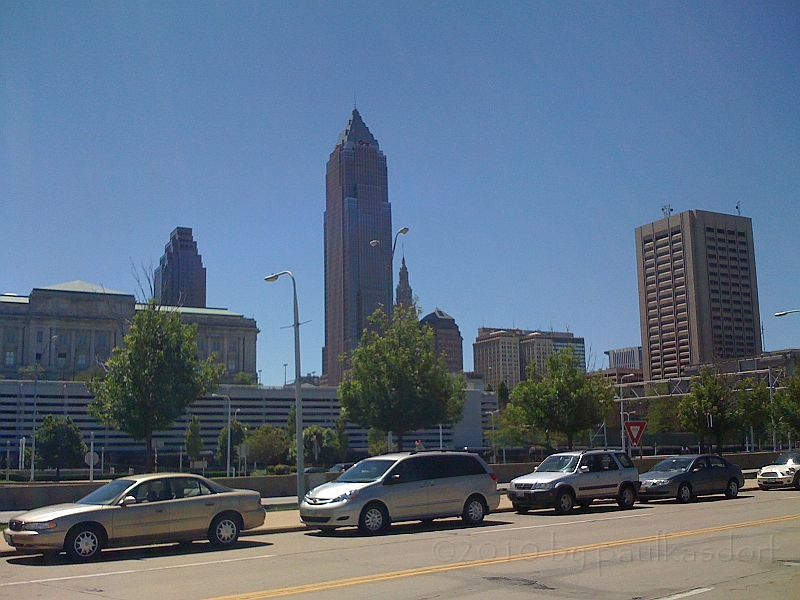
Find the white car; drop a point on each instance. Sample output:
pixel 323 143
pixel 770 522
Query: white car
pixel 785 472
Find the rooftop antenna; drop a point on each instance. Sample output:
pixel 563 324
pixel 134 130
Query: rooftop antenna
pixel 355 105
pixel 739 208
pixel 667 210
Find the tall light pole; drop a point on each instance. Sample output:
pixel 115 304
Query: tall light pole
pixel 783 313
pixel 228 461
pixel 298 392
pixel 35 402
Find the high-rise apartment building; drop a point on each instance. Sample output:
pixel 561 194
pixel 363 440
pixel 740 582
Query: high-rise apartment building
pixel 625 358
pixel 358 243
pixel 698 297
pixel 446 338
pixel 180 278
pixel 504 354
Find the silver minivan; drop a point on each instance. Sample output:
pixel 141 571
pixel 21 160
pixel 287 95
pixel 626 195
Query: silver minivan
pixel 404 486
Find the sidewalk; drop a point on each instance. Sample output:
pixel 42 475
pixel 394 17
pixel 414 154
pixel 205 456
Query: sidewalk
pixel 281 519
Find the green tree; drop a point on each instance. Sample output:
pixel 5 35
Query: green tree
pixel 342 439
pixel 59 444
pixel 397 382
pixel 502 395
pixel 267 444
pixel 238 435
pixel 787 405
pixel 153 377
pixel 193 439
pixel 565 400
pixel 377 442
pixel 244 378
pixel 755 408
pixel 320 445
pixel 711 409
pixel 662 415
pixel 512 428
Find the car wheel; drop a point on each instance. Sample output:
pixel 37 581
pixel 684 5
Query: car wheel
pixel 684 493
pixel 762 487
pixel 564 502
pixel 474 510
pixel 522 510
pixel 224 530
pixel 644 500
pixel 626 497
pixel 732 489
pixel 84 542
pixel 374 519
pixel 796 482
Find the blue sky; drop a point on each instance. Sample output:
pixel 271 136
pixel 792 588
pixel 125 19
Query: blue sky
pixel 525 143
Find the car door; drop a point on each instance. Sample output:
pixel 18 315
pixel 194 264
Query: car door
pixel 192 507
pixel 448 482
pixel 588 480
pixel 700 476
pixel 610 476
pixel 719 475
pixel 148 518
pixel 407 489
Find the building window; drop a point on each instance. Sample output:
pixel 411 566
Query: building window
pixel 61 361
pixel 39 337
pixel 9 359
pixel 232 346
pixel 11 337
pixel 80 361
pixel 102 340
pixel 231 366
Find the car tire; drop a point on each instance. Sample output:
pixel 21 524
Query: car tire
pixel 374 519
pixel 684 494
pixel 644 500
pixel 475 510
pixel 521 510
pixel 224 530
pixel 84 542
pixel 626 497
pixel 732 489
pixel 565 502
pixel 796 482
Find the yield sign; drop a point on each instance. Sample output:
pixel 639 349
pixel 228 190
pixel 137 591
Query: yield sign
pixel 635 430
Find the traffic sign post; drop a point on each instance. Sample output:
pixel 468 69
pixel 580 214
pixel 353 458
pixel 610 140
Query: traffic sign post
pixel 635 430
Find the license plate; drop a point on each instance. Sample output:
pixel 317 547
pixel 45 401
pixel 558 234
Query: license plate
pixel 770 480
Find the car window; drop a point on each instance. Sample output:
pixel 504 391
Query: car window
pixel 700 463
pixel 410 470
pixel 717 462
pixel 188 487
pixel 608 463
pixel 673 464
pixel 460 466
pixel 154 490
pixel 592 461
pixel 624 460
pixel 558 463
pixel 366 471
pixel 108 493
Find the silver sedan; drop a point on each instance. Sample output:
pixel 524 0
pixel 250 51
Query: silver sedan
pixel 139 509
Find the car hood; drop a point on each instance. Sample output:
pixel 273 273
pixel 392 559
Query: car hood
pixel 540 477
pixel 782 469
pixel 56 511
pixel 334 489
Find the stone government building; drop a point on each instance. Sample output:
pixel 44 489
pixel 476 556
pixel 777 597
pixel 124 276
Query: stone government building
pixel 72 327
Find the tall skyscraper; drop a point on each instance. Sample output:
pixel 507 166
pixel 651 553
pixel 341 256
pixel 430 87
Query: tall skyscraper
pixel 698 297
pixel 358 243
pixel 180 278
pixel 446 338
pixel 404 295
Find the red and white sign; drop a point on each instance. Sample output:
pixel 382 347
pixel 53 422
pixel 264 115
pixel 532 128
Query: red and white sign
pixel 635 430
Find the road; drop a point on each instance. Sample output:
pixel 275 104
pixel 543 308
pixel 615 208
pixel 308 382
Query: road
pixel 712 549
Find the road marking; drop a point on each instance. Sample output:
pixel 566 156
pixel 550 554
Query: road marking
pixel 686 594
pixel 132 571
pixel 392 575
pixel 559 524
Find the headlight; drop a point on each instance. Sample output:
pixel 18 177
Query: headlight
pixel 790 470
pixel 659 482
pixel 39 526
pixel 352 494
pixel 542 486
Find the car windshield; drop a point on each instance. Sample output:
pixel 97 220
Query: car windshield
pixel 108 493
pixel 673 464
pixel 558 464
pixel 366 471
pixel 788 459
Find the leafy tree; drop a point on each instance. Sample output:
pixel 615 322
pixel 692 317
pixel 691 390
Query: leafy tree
pixel 153 377
pixel 565 400
pixel 397 382
pixel 342 439
pixel 267 444
pixel 502 395
pixel 244 378
pixel 755 408
pixel 377 442
pixel 512 427
pixel 194 441
pixel 711 409
pixel 238 435
pixel 59 443
pixel 787 404
pixel 662 415
pixel 320 445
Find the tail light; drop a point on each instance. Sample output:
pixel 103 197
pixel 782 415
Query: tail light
pixel 493 476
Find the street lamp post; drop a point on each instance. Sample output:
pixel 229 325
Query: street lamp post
pixel 35 402
pixel 228 461
pixel 622 409
pixel 298 392
pixel 374 243
pixel 783 313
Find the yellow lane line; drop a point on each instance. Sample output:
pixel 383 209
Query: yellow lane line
pixel 379 577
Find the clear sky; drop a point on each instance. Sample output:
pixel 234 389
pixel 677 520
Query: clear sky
pixel 525 143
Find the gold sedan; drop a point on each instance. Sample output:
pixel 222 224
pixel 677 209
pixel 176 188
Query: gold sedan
pixel 139 509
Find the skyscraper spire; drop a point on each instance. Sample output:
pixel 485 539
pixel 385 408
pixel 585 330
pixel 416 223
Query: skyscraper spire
pixel 404 295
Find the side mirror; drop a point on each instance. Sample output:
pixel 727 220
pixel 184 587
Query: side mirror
pixel 127 501
pixel 584 469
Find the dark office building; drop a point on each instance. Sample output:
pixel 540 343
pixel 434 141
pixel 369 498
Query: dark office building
pixel 447 339
pixel 180 279
pixel 698 296
pixel 358 243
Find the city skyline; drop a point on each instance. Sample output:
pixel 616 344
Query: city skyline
pixel 526 145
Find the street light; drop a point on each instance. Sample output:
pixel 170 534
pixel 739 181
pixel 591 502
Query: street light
pixel 374 243
pixel 783 313
pixel 35 399
pixel 298 393
pixel 228 462
pixel 622 408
